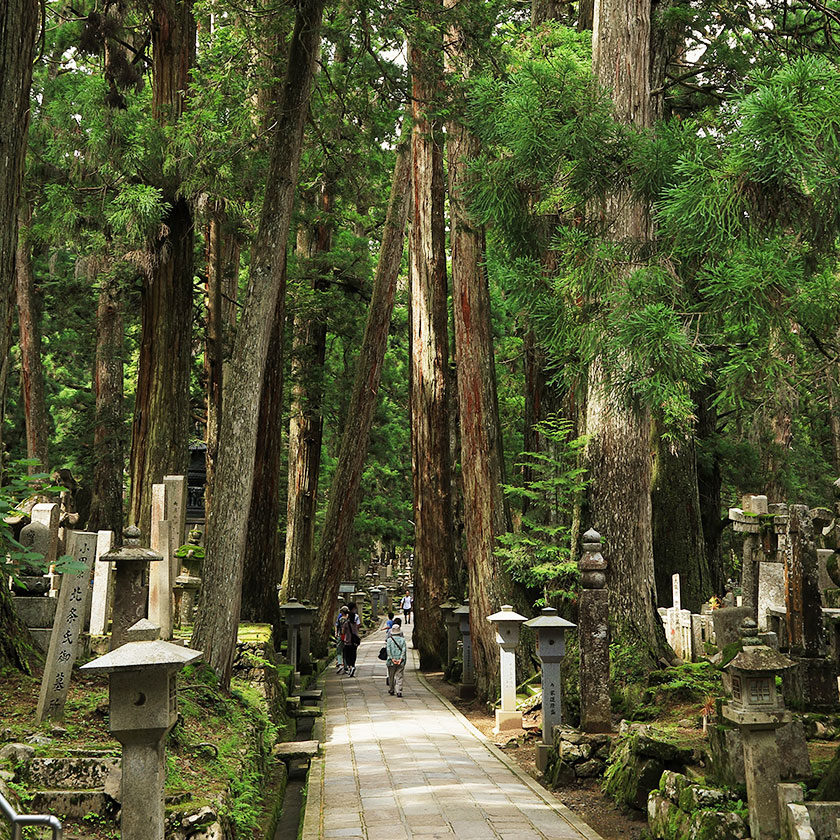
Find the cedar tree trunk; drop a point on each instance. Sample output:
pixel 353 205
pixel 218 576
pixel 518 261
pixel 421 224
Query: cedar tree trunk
pixel 434 572
pixel 219 604
pixel 343 499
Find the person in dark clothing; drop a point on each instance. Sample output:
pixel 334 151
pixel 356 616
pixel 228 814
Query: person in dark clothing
pixel 352 638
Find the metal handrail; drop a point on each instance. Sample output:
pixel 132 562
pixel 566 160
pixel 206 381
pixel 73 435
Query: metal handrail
pixel 19 820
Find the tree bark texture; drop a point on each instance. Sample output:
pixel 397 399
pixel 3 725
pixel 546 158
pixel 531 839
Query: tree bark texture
pixel 223 250
pixel 678 543
pixel 618 451
pixel 431 465
pixel 219 604
pixel 343 499
pixel 482 454
pixel 18 28
pixel 160 432
pixel 263 548
pixel 31 367
pixel 106 510
pixel 306 422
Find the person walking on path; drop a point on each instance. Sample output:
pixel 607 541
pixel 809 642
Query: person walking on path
pixel 339 642
pixel 397 648
pixel 352 639
pixel 406 604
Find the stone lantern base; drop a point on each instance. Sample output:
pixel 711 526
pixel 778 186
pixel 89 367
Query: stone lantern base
pixel 507 721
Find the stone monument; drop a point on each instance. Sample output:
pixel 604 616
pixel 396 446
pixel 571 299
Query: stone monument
pixel 508 624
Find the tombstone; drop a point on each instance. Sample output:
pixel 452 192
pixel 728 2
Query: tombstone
pixel 508 624
pixel 771 592
pixel 67 629
pixel 143 708
pixel 100 608
pixel 466 688
pixel 160 574
pixel 48 513
pixel 594 636
pixel 292 612
pixel 758 711
pixel 551 647
pixel 306 619
pixel 131 594
pixel 678 624
pixel 374 604
pixel 746 520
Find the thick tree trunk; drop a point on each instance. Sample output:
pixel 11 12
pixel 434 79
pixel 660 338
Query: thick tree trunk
pixel 106 510
pixel 263 547
pixel 679 546
pixel 434 571
pixel 18 27
pixel 343 499
pixel 306 423
pixel 618 451
pixel 220 600
pixel 31 368
pixel 160 432
pixel 482 454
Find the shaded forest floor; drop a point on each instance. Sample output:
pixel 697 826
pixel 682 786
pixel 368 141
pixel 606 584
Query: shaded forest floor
pixel 584 797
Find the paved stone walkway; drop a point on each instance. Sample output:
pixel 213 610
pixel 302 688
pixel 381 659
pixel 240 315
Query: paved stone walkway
pixel 413 768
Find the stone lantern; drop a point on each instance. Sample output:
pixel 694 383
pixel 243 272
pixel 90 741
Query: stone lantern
pixel 451 621
pixel 508 624
pixel 466 687
pixel 292 611
pixel 188 582
pixel 758 710
pixel 551 648
pixel 307 616
pixel 131 594
pixel 143 708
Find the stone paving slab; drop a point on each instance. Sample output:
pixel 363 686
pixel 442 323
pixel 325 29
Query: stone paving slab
pixel 414 768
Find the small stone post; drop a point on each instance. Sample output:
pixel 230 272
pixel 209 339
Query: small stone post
pixel 508 624
pixel 594 635
pixel 551 648
pixel 466 688
pixel 452 629
pixel 758 710
pixel 131 594
pixel 143 708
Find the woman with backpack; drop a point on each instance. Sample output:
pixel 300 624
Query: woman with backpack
pixel 352 638
pixel 396 648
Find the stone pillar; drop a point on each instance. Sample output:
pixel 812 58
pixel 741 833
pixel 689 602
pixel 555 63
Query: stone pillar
pixel 594 636
pixel 452 629
pixel 374 604
pixel 160 575
pixel 551 647
pixel 508 624
pixel 466 688
pixel 306 618
pixel 100 608
pixel 746 520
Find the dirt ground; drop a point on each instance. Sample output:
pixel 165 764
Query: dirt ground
pixel 584 797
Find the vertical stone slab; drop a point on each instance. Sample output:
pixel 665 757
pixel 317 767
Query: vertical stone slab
pixel 100 608
pixel 594 635
pixel 176 515
pixel 771 591
pixel 802 594
pixel 160 574
pixel 48 513
pixel 67 629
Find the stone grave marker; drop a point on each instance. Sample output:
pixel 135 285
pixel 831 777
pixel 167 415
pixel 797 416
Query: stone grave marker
pixel 48 513
pixel 771 592
pixel 100 607
pixel 160 574
pixel 745 520
pixel 67 629
pixel 594 637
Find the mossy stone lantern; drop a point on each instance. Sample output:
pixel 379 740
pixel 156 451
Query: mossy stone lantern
pixel 758 710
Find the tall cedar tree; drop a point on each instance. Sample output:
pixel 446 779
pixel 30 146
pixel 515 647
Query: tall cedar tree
pixel 219 604
pixel 18 28
pixel 160 433
pixel 343 500
pixel 618 448
pixel 434 572
pixel 482 454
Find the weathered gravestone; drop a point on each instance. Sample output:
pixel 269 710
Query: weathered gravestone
pixel 67 629
pixel 160 574
pixel 100 610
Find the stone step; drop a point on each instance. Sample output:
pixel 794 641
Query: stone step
pixel 75 773
pixel 71 803
pixel 288 750
pixel 311 697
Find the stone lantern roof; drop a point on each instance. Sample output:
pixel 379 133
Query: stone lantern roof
pixel 755 656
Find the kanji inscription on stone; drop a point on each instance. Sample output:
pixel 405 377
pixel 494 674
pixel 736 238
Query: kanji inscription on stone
pixel 67 629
